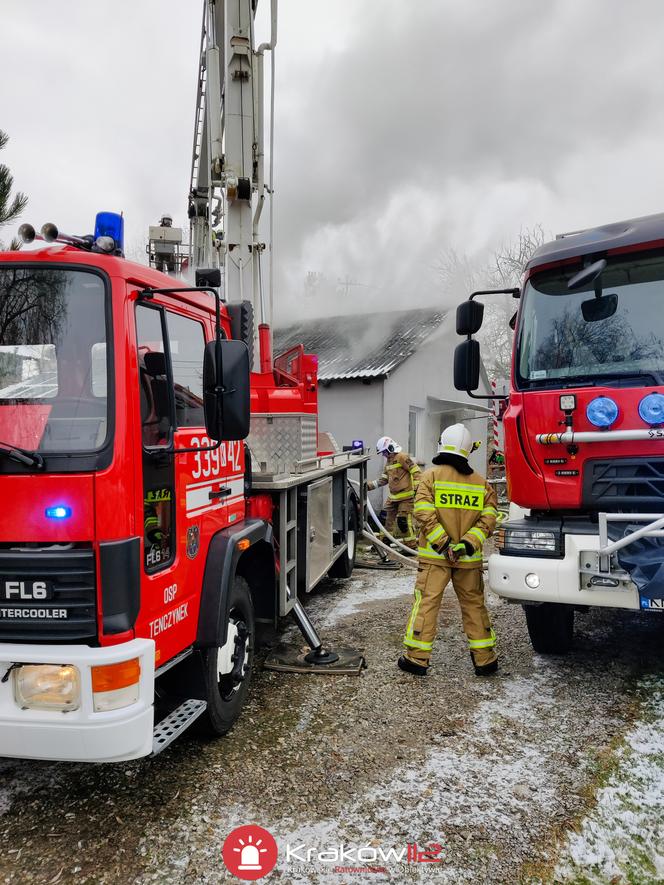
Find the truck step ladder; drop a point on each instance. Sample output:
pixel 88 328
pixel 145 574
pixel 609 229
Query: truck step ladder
pixel 288 548
pixel 172 726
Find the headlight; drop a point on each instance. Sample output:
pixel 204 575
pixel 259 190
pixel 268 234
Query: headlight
pixel 651 408
pixel 519 541
pixel 47 687
pixel 602 411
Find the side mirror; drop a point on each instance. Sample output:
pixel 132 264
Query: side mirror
pixel 599 308
pixel 467 365
pixel 226 393
pixel 469 317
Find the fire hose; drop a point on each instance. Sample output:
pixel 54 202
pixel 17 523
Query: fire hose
pixel 370 535
pixel 410 561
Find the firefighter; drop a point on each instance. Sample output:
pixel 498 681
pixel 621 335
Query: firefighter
pixel 153 531
pixel 455 511
pixel 401 475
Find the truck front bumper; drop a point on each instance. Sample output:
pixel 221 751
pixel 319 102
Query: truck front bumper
pixel 559 579
pixel 80 735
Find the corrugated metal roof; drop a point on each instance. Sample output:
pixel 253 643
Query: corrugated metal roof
pixel 360 346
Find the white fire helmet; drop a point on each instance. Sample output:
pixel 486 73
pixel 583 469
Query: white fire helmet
pixel 456 440
pixel 387 446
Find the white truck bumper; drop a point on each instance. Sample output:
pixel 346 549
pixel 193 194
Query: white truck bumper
pixel 559 579
pixel 81 735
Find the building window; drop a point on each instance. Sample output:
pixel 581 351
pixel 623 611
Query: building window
pixel 414 416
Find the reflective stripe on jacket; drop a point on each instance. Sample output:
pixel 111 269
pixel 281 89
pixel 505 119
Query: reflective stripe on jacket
pixel 401 475
pixel 451 507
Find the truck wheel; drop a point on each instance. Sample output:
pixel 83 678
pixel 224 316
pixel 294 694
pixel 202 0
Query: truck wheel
pixel 228 669
pixel 551 627
pixel 343 567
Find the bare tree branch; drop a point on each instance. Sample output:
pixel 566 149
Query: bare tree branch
pixel 460 276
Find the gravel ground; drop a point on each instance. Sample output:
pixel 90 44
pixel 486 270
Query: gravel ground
pixel 501 772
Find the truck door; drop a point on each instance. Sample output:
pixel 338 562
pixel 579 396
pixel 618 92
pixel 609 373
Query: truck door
pixel 186 497
pixel 163 615
pixel 209 482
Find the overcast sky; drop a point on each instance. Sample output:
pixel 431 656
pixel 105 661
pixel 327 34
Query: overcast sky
pixel 403 128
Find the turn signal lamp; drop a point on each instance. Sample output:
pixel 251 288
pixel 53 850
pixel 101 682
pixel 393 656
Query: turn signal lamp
pixel 115 685
pixel 651 408
pixel 602 411
pixel 110 224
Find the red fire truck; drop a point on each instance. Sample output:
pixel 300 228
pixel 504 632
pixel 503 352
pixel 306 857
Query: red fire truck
pixel 160 498
pixel 584 428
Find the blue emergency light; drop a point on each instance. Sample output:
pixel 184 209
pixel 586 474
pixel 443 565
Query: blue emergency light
pixel 110 224
pixel 602 411
pixel 651 409
pixel 59 511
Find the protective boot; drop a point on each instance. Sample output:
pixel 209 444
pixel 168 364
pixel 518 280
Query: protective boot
pixel 409 666
pixel 484 669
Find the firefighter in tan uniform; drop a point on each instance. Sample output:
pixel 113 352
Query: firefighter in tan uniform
pixel 455 510
pixel 401 475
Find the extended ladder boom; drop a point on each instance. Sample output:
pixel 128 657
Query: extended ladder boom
pixel 227 190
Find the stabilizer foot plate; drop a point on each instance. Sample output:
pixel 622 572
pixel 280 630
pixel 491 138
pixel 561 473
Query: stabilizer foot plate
pixel 389 565
pixel 290 659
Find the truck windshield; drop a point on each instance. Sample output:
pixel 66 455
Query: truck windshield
pixel 53 360
pixel 557 345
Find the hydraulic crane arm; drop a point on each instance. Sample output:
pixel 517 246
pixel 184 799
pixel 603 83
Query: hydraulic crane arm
pixel 227 189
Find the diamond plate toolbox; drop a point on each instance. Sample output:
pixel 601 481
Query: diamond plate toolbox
pixel 278 442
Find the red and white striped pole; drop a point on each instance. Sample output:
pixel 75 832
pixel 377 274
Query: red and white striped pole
pixel 495 419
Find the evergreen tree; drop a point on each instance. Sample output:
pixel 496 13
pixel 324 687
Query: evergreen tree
pixel 10 207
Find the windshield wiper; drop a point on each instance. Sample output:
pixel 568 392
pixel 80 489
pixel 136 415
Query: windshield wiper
pixel 632 376
pixel 23 456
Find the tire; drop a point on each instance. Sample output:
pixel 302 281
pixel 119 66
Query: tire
pixel 343 567
pixel 551 627
pixel 227 680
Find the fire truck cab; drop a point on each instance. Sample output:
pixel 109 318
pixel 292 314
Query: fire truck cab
pixel 162 484
pixel 141 537
pixel 584 428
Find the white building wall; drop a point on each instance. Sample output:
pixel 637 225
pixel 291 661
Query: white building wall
pixel 423 381
pixel 351 410
pixel 354 410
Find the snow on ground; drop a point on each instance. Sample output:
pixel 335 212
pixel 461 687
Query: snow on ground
pixel 14 783
pixel 361 592
pixel 622 839
pixel 331 609
pixel 493 770
pixel 483 780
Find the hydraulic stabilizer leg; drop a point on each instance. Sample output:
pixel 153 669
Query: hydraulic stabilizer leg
pixel 317 655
